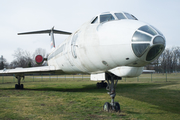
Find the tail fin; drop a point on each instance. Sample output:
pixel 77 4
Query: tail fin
pixel 51 33
pixel 52 39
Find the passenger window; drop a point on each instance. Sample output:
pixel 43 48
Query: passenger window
pixel 95 20
pixel 106 17
pixel 120 16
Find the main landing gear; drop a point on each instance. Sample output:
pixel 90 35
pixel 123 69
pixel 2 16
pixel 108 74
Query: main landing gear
pixel 112 82
pixel 101 84
pixel 19 85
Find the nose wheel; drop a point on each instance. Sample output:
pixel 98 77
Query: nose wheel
pixel 113 106
pixel 109 107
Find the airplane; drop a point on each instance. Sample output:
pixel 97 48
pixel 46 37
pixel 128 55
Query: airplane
pixel 110 46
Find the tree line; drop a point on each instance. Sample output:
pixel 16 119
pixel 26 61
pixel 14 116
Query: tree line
pixel 23 58
pixel 169 61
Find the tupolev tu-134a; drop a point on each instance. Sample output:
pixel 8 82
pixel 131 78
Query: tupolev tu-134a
pixel 110 46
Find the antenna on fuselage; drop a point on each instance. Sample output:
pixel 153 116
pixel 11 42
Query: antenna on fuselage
pixel 51 33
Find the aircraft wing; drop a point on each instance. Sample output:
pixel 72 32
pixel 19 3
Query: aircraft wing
pixel 32 70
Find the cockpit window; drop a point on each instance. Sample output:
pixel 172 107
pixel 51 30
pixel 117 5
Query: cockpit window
pixel 95 20
pixel 138 36
pixel 130 16
pixel 120 16
pixel 106 17
pixel 134 17
pixel 147 29
pixel 159 40
pixel 157 30
pixel 154 52
pixel 139 49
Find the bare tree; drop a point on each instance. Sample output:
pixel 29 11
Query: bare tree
pixel 3 63
pixel 169 60
pixel 22 58
pixel 40 51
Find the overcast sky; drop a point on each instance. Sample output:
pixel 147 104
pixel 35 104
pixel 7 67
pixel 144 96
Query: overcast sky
pixel 68 15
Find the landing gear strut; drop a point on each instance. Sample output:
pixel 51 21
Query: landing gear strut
pixel 19 85
pixel 112 82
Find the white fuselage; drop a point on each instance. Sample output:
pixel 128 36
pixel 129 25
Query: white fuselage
pixel 101 47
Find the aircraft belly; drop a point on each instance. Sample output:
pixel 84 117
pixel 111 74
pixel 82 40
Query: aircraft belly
pixel 126 71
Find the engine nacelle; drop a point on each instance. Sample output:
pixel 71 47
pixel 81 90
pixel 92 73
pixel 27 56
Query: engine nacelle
pixel 39 59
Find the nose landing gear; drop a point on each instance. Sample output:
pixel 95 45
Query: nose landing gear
pixel 112 82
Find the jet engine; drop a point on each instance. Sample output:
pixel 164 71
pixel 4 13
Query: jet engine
pixel 39 59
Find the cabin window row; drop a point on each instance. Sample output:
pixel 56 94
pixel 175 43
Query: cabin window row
pixel 58 51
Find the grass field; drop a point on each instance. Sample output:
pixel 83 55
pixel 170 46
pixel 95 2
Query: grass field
pixel 53 98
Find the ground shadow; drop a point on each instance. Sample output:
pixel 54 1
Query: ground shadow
pixel 155 94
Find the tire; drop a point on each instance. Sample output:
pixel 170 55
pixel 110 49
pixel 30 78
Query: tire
pixel 22 86
pixel 98 85
pixel 117 106
pixel 107 107
pixel 16 86
pixel 105 85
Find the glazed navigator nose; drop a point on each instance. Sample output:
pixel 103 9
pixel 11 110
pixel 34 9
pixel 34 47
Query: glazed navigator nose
pixel 148 38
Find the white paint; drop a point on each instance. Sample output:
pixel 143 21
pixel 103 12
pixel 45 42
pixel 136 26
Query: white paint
pixel 126 71
pixel 98 77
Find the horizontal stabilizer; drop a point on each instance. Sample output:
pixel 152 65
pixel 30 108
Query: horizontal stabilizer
pixel 46 31
pixel 50 32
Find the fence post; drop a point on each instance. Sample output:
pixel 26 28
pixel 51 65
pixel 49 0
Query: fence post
pixel 41 77
pixel 13 78
pixel 33 77
pixel 137 79
pixel 82 76
pixel 125 79
pixel 73 76
pixel 3 78
pixel 151 77
pixel 166 75
pixel 49 77
pixel 65 77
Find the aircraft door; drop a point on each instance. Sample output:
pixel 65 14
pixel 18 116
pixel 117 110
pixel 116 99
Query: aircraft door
pixel 73 45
